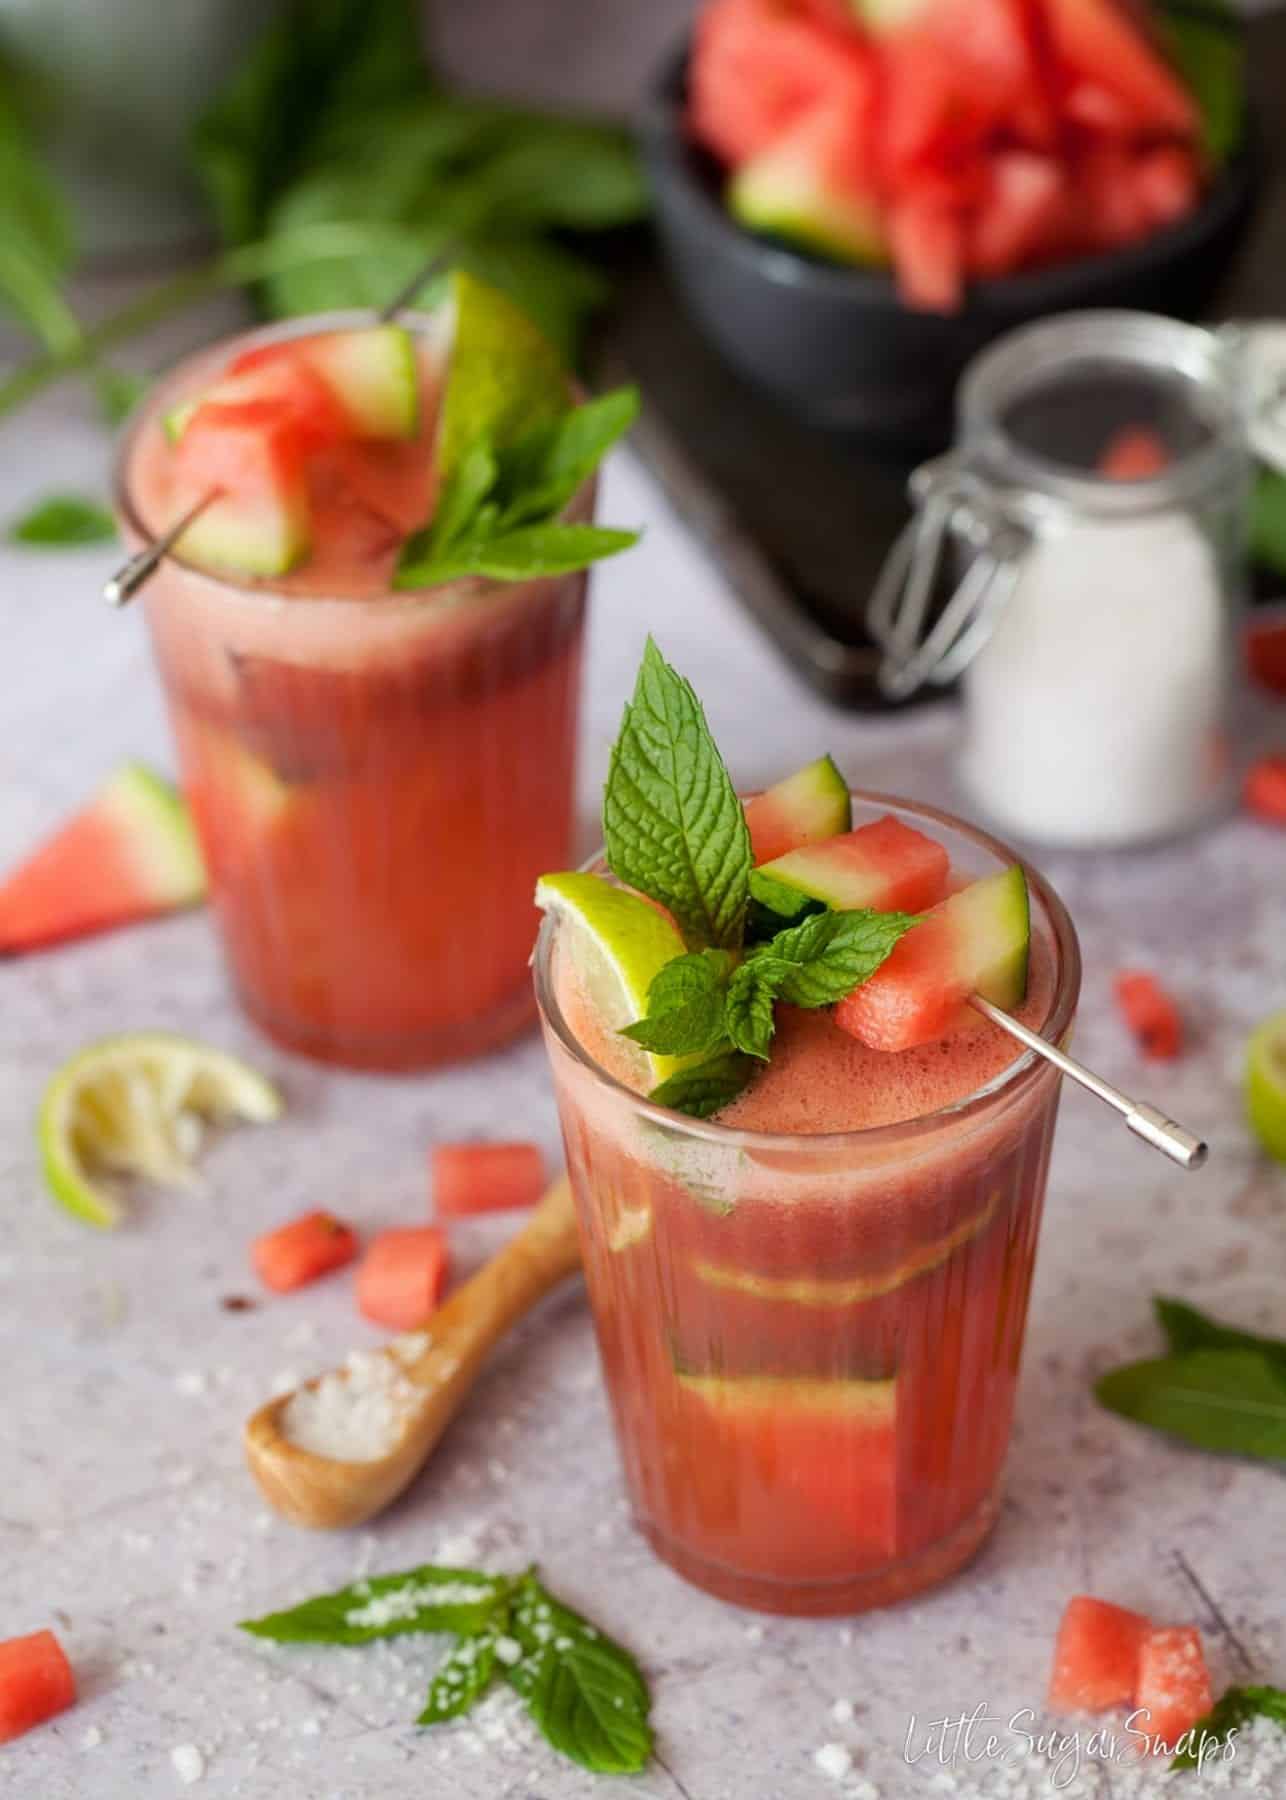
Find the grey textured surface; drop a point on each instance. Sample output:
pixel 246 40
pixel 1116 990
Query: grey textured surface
pixel 128 1522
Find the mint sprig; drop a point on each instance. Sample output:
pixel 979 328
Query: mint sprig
pixel 685 1006
pixel 703 1089
pixel 498 513
pixel 1231 1713
pixel 824 959
pixel 583 1690
pixel 672 822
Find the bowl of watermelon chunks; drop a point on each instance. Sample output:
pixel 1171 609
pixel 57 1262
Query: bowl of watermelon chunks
pixel 856 195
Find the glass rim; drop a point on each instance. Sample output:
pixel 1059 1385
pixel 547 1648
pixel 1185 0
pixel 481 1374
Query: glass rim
pixel 1141 341
pixel 442 594
pixel 1015 1078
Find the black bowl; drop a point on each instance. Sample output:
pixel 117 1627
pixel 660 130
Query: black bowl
pixel 837 346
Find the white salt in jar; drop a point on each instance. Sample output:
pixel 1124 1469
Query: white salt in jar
pixel 1094 624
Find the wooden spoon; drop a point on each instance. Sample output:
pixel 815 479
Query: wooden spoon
pixel 324 1493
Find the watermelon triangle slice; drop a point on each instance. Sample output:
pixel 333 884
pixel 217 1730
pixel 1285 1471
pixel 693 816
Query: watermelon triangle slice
pixel 130 854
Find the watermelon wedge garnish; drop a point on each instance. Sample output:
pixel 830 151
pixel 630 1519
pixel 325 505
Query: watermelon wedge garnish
pixel 251 453
pixel 130 854
pixel 369 374
pixel 976 942
pixel 810 805
pixel 886 865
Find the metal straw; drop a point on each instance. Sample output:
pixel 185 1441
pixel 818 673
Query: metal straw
pixel 140 568
pixel 1145 1121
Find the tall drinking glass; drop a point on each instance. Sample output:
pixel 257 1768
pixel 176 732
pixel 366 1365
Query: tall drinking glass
pixel 378 777
pixel 812 1342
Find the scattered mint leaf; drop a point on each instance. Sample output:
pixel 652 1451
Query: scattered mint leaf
pixel 820 961
pixel 685 1005
pixel 523 555
pixel 1232 1712
pixel 584 1691
pixel 705 1088
pixel 63 520
pixel 424 1599
pixel 1232 1401
pixel 672 822
pixel 462 1677
pixel 1187 1329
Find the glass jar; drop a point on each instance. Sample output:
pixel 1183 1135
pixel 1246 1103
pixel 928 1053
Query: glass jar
pixel 1095 506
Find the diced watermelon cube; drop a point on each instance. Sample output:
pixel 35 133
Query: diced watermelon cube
pixel 302 1251
pixel 1265 791
pixel 1151 1014
pixel 1096 1657
pixel 130 854
pixel 1021 214
pixel 36 1682
pixel 479 1178
pixel 928 243
pixel 401 1277
pixel 758 66
pixel 1173 1686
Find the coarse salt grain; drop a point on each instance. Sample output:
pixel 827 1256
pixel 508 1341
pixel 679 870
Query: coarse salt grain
pixel 191 1383
pixel 508 1651
pixel 404 1602
pixel 92 1738
pixel 189 1764
pixel 834 1760
pixel 842 1712
pixel 355 1414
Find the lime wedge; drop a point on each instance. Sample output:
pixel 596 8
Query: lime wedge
pixel 135 1105
pixel 1266 1085
pixel 504 377
pixel 619 943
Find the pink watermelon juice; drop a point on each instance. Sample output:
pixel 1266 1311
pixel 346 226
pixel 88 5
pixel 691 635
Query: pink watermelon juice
pixel 811 1310
pixel 377 777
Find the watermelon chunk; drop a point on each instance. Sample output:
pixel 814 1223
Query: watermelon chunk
pixel 1021 215
pixel 812 186
pixel 828 1446
pixel 370 375
pixel 886 865
pixel 1096 1657
pixel 758 66
pixel 302 1251
pixel 130 854
pixel 251 453
pixel 975 942
pixel 1135 453
pixel 401 1277
pixel 811 804
pixel 282 384
pixel 36 1681
pixel 480 1178
pixel 1174 1682
pixel 1099 42
pixel 928 241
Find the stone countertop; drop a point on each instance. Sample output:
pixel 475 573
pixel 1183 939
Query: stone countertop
pixel 128 1522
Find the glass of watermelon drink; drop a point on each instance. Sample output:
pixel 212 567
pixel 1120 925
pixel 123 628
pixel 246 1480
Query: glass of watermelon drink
pixel 377 775
pixel 810 1310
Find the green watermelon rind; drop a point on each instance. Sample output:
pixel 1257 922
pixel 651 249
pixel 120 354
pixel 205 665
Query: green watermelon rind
pixel 154 817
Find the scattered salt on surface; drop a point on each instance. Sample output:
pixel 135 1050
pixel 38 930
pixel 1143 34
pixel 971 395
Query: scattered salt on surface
pixel 189 1764
pixel 508 1651
pixel 755 1634
pixel 92 1739
pixel 842 1712
pixel 284 1380
pixel 191 1383
pixel 411 1346
pixel 834 1760
pixel 310 1728
pixel 462 1548
pixel 355 1414
pixel 405 1602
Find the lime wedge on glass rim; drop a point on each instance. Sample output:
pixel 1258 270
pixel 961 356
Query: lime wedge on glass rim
pixel 503 379
pixel 618 944
pixel 1266 1085
pixel 136 1105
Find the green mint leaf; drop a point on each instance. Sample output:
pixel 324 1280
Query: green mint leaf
pixel 424 1599
pixel 1232 1401
pixel 63 520
pixel 462 497
pixel 1268 520
pixel 705 1088
pixel 1187 1329
pixel 820 961
pixel 528 554
pixel 544 470
pixel 685 1005
pixel 1207 44
pixel 583 1690
pixel 672 822
pixel 751 996
pixel 462 1677
pixel 1232 1712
